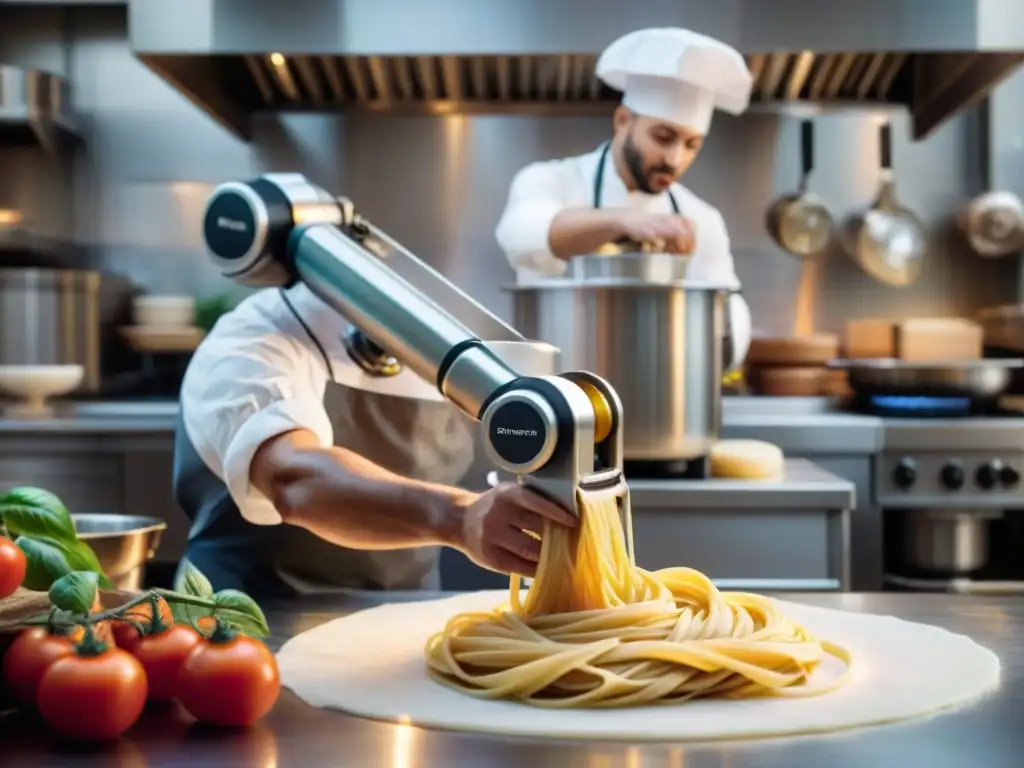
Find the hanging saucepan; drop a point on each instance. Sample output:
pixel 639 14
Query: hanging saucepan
pixel 993 224
pixel 800 223
pixel 887 241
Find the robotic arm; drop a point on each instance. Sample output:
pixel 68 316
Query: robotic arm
pixel 556 433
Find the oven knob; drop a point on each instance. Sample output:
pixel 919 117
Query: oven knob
pixel 905 474
pixel 989 475
pixel 1009 476
pixel 952 476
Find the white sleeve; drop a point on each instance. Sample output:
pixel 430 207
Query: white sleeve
pixel 712 259
pixel 244 386
pixel 534 199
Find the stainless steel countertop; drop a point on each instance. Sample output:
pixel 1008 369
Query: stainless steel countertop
pixel 107 417
pixel 805 485
pixel 988 733
pixel 806 424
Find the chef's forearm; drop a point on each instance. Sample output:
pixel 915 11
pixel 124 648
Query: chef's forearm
pixel 349 501
pixel 577 231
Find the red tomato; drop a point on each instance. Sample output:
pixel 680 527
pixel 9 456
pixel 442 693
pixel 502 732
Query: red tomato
pixel 162 656
pixel 28 658
pixel 126 636
pixel 12 567
pixel 93 698
pixel 231 683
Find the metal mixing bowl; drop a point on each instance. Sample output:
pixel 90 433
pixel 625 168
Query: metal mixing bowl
pixel 122 543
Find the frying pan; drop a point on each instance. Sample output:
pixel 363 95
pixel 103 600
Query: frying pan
pixel 800 223
pixel 887 241
pixel 977 379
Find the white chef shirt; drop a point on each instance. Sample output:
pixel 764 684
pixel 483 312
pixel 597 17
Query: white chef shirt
pixel 541 190
pixel 258 375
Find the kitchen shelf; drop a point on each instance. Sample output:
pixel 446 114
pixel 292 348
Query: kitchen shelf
pixel 35 111
pixel 19 130
pixel 21 248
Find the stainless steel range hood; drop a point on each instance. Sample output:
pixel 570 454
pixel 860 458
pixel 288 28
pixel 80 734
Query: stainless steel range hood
pixel 34 109
pixel 235 58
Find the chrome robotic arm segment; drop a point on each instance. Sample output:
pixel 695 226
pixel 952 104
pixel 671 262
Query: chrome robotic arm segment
pixel 557 433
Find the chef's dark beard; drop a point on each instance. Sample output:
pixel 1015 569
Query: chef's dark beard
pixel 635 164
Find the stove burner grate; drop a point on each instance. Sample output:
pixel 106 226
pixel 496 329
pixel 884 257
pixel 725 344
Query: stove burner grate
pixel 923 406
pixel 929 407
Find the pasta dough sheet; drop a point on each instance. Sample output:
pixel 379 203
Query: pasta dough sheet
pixel 371 664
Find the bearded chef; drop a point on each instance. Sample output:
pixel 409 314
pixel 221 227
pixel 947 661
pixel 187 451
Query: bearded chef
pixel 672 81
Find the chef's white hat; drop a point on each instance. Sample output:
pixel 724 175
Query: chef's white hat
pixel 676 75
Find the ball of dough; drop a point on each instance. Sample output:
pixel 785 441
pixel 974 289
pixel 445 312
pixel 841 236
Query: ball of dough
pixel 746 460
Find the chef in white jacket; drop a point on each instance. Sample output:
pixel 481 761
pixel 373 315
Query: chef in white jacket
pixel 672 82
pixel 301 472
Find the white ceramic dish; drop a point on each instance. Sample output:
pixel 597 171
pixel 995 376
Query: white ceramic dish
pixel 162 338
pixel 34 384
pixel 164 311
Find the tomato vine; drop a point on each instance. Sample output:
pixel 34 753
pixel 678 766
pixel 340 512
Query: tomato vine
pixel 73 595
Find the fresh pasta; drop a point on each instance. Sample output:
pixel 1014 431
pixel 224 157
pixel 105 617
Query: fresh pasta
pixel 594 630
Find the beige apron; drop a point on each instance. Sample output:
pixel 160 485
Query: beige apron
pixel 425 440
pixel 429 441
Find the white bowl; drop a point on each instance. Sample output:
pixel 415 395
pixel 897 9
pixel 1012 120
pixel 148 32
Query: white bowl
pixel 35 383
pixel 164 311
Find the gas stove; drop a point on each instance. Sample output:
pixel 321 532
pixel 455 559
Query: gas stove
pixel 948 452
pixel 946 447
pixel 949 484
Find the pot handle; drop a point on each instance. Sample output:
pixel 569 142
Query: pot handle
pixel 738 326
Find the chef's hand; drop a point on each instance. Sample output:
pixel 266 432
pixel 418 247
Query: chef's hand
pixel 675 232
pixel 495 525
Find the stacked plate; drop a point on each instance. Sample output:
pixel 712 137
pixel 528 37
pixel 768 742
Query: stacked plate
pixel 164 324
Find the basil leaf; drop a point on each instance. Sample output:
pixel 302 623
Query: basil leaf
pixel 81 558
pixel 191 581
pixel 46 562
pixel 240 611
pixel 34 497
pixel 35 512
pixel 75 592
pixel 49 559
